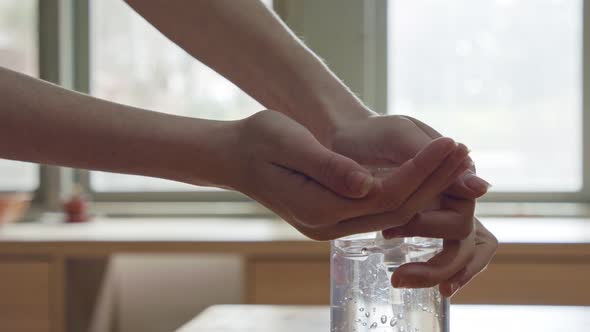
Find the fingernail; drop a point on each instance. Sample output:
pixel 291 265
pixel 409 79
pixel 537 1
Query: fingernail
pixel 359 182
pixel 477 184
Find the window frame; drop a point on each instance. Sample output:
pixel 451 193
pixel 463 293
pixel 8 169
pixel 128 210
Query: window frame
pixel 64 57
pixel 57 37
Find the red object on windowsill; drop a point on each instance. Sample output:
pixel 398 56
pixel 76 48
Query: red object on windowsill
pixel 76 208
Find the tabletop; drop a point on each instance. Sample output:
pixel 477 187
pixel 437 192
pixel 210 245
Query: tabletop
pixel 464 318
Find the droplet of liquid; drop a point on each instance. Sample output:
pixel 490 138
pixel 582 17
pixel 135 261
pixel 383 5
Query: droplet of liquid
pixel 383 319
pixel 364 251
pixel 393 322
pixel 361 309
pixel 358 320
pixel 367 314
pixel 374 325
pixel 364 323
pixel 400 316
pixel 401 329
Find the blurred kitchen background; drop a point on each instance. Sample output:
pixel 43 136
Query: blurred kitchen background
pixel 506 77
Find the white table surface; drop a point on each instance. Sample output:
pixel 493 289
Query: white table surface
pixel 464 318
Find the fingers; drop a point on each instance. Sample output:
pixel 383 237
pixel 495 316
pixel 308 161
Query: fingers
pixel 469 185
pixel 453 221
pixel 421 198
pixel 486 245
pixel 338 173
pixel 434 184
pixel 406 179
pixel 452 259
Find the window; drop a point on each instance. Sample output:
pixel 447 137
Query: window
pixel 156 74
pixel 18 51
pixel 504 76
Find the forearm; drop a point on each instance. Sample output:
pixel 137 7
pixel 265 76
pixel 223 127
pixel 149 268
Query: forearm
pixel 43 123
pixel 249 45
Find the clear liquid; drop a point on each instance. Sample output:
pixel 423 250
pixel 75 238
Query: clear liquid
pixel 363 298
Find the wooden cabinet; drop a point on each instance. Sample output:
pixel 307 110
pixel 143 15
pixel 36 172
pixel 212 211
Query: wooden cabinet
pixel 555 283
pixel 24 295
pixel 287 281
pixel 520 274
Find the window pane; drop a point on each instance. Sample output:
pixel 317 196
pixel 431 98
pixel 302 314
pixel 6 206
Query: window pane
pixel 502 76
pixel 132 63
pixel 18 51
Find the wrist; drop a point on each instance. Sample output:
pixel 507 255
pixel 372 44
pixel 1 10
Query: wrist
pixel 340 111
pixel 202 154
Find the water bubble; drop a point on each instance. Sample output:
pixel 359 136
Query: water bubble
pixel 364 323
pixel 364 251
pixel 393 322
pixel 400 316
pixel 358 320
pixel 374 325
pixel 401 329
pixel 383 319
pixel 361 309
pixel 367 314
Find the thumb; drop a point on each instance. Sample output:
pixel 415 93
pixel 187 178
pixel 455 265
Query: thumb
pixel 336 172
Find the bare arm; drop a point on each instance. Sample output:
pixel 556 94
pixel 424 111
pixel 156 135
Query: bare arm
pixel 43 123
pixel 249 45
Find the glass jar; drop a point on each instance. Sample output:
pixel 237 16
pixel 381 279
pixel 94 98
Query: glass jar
pixel 362 297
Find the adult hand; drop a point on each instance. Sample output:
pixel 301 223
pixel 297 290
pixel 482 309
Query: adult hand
pixel 382 141
pixel 279 163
